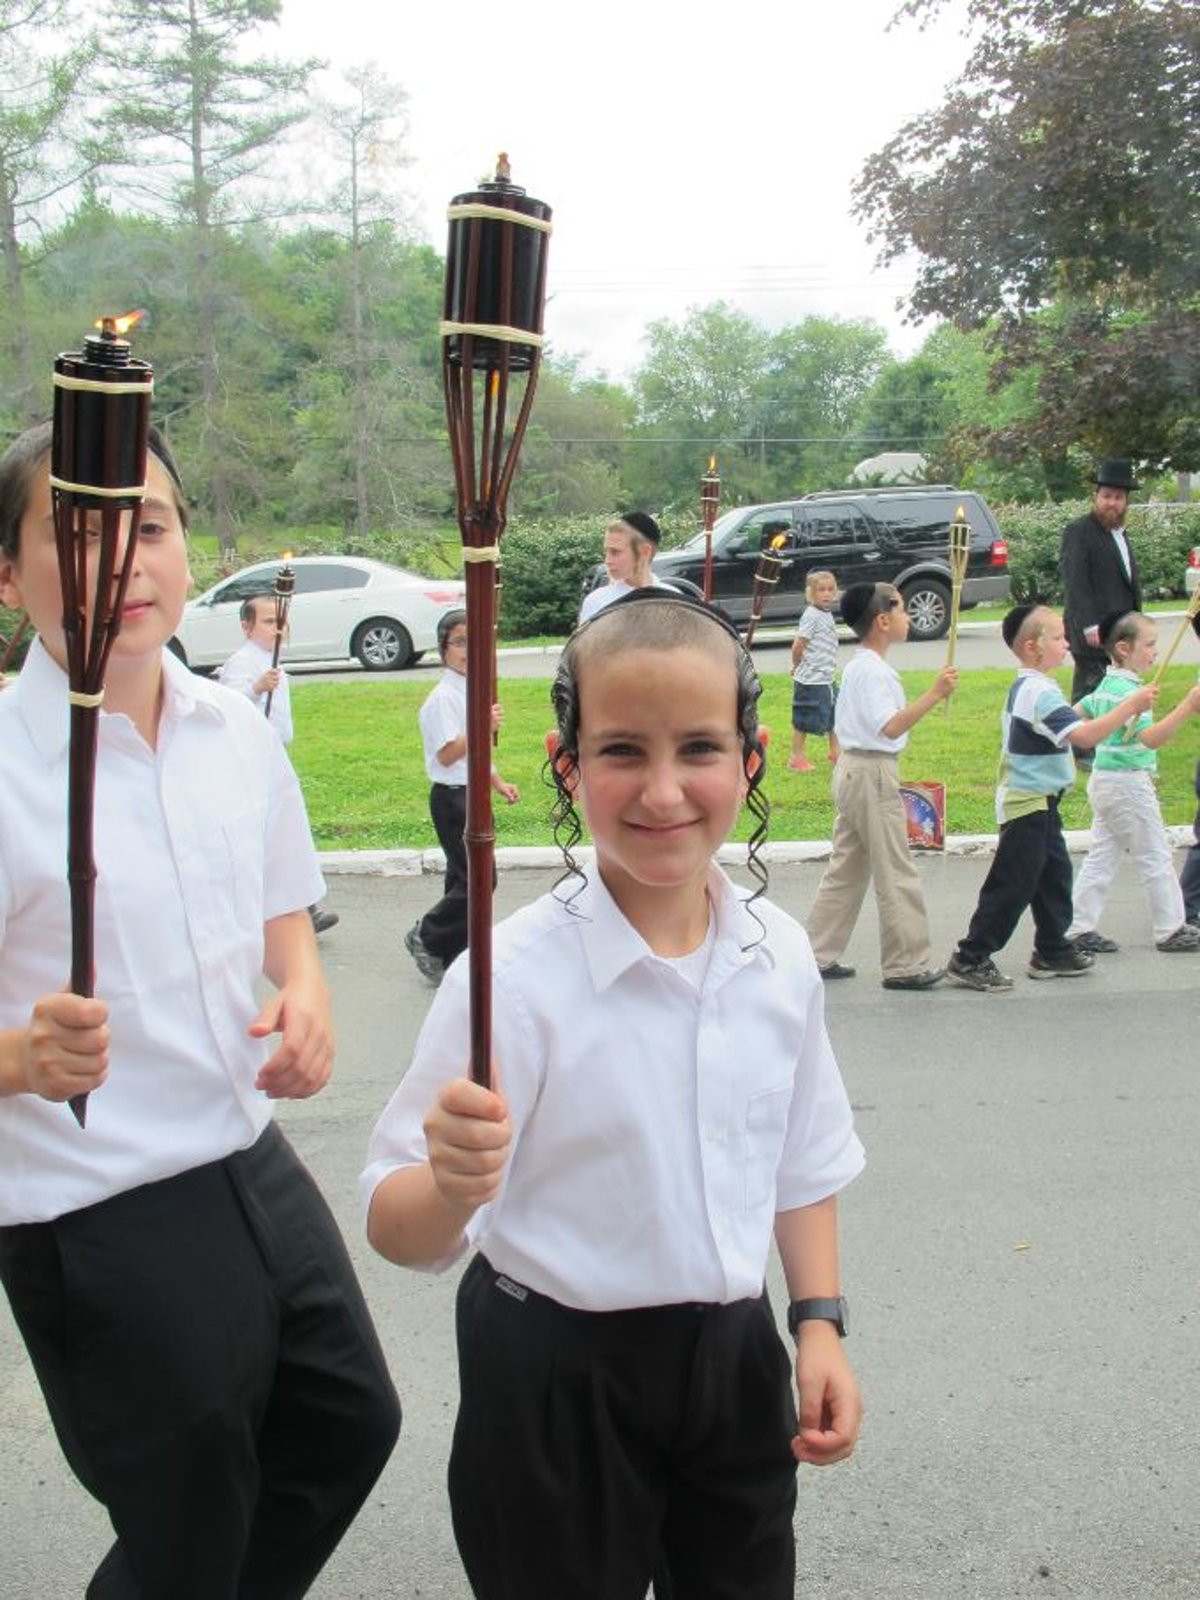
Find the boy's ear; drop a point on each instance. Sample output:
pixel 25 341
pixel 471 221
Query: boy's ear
pixel 10 591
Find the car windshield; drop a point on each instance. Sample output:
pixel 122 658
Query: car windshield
pixel 719 527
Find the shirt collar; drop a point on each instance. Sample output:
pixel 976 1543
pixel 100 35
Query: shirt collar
pixel 41 694
pixel 618 945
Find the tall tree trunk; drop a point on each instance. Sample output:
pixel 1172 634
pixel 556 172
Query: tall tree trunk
pixel 20 350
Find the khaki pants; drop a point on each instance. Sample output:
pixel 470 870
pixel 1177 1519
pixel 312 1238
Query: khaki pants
pixel 870 843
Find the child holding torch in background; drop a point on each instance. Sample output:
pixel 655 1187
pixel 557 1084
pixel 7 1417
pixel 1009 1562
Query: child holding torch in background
pixel 667 1099
pixel 183 1292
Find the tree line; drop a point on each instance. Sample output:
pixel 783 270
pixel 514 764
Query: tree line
pixel 292 320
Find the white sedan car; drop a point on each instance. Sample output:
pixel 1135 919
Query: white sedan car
pixel 343 608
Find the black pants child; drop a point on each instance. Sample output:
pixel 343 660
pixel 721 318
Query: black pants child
pixel 1189 878
pixel 1031 870
pixel 212 1374
pixel 594 1448
pixel 443 929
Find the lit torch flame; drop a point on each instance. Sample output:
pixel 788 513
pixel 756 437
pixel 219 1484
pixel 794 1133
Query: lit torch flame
pixel 778 542
pixel 118 327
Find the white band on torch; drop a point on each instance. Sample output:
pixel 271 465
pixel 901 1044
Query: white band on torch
pixel 134 492
pixel 499 214
pixel 481 552
pixel 489 330
pixel 97 385
pixel 88 701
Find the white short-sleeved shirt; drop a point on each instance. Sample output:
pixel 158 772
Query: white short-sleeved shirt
pixel 869 697
pixel 656 1130
pixel 243 670
pixel 198 843
pixel 596 599
pixel 443 718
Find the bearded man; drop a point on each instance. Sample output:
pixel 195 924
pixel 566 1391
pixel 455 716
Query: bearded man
pixel 1099 572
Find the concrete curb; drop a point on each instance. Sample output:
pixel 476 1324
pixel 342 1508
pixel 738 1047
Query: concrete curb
pixel 412 863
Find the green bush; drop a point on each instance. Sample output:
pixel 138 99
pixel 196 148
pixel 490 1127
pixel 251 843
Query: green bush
pixel 10 622
pixel 1161 534
pixel 544 565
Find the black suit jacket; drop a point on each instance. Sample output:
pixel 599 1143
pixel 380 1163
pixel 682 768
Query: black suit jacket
pixel 1094 581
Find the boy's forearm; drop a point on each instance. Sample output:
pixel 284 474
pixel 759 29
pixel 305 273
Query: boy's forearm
pixel 290 952
pixel 411 1222
pixel 1166 727
pixel 807 1241
pixel 910 715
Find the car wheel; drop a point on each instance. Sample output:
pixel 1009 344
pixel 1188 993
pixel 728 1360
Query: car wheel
pixel 928 605
pixel 382 645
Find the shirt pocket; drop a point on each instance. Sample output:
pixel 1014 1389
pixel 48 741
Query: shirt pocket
pixel 766 1129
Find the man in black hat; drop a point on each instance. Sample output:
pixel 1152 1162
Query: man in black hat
pixel 1099 572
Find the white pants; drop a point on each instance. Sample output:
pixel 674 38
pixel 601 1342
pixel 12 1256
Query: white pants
pixel 1125 816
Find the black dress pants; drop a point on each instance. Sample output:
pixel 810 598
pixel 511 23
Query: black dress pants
pixel 443 929
pixel 594 1449
pixel 212 1373
pixel 1189 878
pixel 1031 870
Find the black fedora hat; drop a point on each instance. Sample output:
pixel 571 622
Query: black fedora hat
pixel 1115 473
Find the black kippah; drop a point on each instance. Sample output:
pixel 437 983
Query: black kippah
pixel 1015 621
pixel 855 601
pixel 642 522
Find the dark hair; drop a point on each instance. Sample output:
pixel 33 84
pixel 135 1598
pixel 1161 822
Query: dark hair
pixel 248 610
pixel 1119 627
pixel 652 619
pixel 863 602
pixel 446 626
pixel 19 466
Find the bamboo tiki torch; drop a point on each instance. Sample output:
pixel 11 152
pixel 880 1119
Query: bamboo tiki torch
pixel 10 648
pixel 710 500
pixel 97 475
pixel 766 576
pixel 285 588
pixel 491 335
pixel 960 554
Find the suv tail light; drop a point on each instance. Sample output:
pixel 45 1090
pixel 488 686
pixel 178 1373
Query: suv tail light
pixel 444 597
pixel 999 555
pixel 1194 556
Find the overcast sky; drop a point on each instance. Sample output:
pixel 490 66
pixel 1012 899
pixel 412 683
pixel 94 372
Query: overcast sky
pixel 690 153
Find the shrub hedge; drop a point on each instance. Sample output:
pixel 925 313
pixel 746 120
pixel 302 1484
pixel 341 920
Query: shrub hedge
pixel 1162 535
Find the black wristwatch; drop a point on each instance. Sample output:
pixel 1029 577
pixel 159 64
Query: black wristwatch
pixel 833 1309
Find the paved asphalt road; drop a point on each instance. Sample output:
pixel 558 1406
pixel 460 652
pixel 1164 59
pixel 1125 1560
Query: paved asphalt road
pixel 1022 1256
pixel 979 645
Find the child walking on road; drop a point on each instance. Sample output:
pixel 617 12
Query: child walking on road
pixel 814 665
pixel 441 934
pixel 186 1300
pixel 1031 869
pixel 1125 810
pixel 870 837
pixel 667 1100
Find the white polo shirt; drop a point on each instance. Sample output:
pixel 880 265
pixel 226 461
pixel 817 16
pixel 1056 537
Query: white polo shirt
pixel 656 1130
pixel 870 695
pixel 243 670
pixel 197 844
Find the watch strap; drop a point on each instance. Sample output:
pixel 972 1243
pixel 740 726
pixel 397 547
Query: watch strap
pixel 831 1308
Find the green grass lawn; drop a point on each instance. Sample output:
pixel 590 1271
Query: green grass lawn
pixel 358 752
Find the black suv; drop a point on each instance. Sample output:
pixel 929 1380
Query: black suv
pixel 898 536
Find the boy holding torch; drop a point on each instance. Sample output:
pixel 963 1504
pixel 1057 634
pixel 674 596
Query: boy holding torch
pixel 185 1297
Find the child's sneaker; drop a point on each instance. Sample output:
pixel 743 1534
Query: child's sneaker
pixel 1185 937
pixel 1070 963
pixel 428 965
pixel 983 975
pixel 1095 944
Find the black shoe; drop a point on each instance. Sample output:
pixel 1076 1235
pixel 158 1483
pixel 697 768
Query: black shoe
pixel 917 980
pixel 983 975
pixel 1185 937
pixel 322 921
pixel 1071 963
pixel 428 965
pixel 1095 944
pixel 835 969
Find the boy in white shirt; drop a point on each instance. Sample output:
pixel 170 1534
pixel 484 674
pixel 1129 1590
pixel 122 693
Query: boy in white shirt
pixel 870 838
